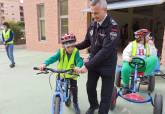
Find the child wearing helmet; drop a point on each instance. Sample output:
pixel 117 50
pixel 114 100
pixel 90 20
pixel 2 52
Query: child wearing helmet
pixel 68 57
pixel 138 48
pixel 154 51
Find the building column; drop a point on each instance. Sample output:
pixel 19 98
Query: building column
pixel 160 38
pixel 130 18
pixel 163 50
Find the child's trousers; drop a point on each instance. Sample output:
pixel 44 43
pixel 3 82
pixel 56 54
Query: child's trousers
pixel 74 90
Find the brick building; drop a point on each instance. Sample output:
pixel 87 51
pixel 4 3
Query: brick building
pixel 47 20
pixel 11 10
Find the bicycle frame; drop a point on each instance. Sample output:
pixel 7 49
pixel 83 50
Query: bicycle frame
pixel 135 89
pixel 61 90
pixel 135 86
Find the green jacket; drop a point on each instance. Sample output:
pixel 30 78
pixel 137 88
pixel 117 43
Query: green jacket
pixel 56 57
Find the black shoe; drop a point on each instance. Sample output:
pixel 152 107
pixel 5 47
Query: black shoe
pixel 125 91
pixel 68 102
pixel 12 65
pixel 76 108
pixel 91 110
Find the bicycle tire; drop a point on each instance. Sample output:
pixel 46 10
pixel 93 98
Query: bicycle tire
pixel 57 105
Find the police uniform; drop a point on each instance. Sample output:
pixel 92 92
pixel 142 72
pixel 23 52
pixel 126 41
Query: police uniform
pixel 102 40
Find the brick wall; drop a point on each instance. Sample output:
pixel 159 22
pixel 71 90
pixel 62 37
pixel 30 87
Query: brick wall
pixel 77 23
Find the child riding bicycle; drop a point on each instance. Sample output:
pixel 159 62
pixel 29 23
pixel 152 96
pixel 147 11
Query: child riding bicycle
pixel 140 47
pixel 68 57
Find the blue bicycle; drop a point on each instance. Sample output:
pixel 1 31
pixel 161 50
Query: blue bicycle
pixel 62 94
pixel 135 95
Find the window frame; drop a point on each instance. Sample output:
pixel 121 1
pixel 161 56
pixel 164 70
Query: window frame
pixel 40 20
pixel 62 17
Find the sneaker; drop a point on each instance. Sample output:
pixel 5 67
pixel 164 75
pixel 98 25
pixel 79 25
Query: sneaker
pixel 76 108
pixel 91 110
pixel 12 65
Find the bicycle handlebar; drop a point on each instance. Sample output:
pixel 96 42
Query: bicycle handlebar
pixel 54 70
pixel 70 71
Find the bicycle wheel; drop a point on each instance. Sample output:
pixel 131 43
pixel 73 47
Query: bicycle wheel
pixel 158 104
pixel 151 85
pixel 57 105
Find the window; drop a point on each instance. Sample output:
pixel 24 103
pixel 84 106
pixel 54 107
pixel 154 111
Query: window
pixel 63 7
pixel 2 11
pixel 3 18
pixel 63 17
pixel 21 14
pixel 41 22
pixel 64 26
pixel 21 8
pixel 22 19
pixel 2 5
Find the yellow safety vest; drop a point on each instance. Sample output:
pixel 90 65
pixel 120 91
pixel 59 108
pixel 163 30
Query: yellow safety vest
pixel 65 64
pixel 6 36
pixel 134 49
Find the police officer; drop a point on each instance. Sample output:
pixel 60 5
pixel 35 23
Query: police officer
pixel 102 38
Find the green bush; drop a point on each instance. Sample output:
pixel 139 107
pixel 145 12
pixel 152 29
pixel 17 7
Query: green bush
pixel 18 29
pixel 21 24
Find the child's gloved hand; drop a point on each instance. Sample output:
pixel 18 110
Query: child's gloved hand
pixel 128 59
pixel 83 69
pixel 77 70
pixel 4 43
pixel 42 67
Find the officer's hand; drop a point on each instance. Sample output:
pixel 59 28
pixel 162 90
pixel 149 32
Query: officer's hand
pixel 42 67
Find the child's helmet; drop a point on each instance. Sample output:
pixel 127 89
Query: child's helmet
pixel 68 39
pixel 141 33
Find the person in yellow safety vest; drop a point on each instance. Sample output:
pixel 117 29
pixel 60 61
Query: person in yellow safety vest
pixel 68 57
pixel 8 40
pixel 154 51
pixel 138 48
pixel 150 40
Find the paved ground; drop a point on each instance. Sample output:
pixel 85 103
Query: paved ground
pixel 22 92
